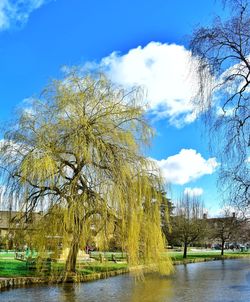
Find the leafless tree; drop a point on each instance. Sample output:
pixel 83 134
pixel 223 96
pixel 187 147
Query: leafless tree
pixel 223 53
pixel 188 225
pixel 226 228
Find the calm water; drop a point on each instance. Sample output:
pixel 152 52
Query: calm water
pixel 219 281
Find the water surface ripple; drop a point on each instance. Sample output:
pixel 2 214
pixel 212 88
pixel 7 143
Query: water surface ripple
pixel 218 281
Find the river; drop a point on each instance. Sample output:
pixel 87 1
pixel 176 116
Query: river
pixel 217 281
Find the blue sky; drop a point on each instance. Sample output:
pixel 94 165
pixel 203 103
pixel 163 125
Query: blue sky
pixel 135 42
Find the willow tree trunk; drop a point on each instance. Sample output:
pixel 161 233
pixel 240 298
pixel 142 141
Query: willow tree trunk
pixel 185 250
pixel 72 256
pixel 76 224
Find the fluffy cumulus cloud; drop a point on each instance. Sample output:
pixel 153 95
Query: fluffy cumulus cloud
pixel 16 12
pixel 167 74
pixel 193 191
pixel 186 166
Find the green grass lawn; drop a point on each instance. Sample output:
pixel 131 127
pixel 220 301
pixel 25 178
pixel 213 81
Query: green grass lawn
pixel 14 268
pixel 89 268
pixel 10 267
pixel 178 256
pixel 4 255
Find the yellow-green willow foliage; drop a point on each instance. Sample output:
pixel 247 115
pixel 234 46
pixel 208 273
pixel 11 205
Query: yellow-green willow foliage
pixel 76 153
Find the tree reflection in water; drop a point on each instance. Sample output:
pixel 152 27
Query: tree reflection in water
pixel 153 288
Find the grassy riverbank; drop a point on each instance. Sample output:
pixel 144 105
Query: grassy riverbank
pixel 10 267
pixel 178 256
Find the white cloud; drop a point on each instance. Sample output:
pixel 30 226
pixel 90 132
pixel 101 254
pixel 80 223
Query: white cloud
pixel 11 148
pixel 193 191
pixel 166 72
pixel 229 112
pixel 186 166
pixel 16 12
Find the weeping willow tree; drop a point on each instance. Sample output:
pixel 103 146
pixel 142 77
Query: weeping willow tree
pixel 76 153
